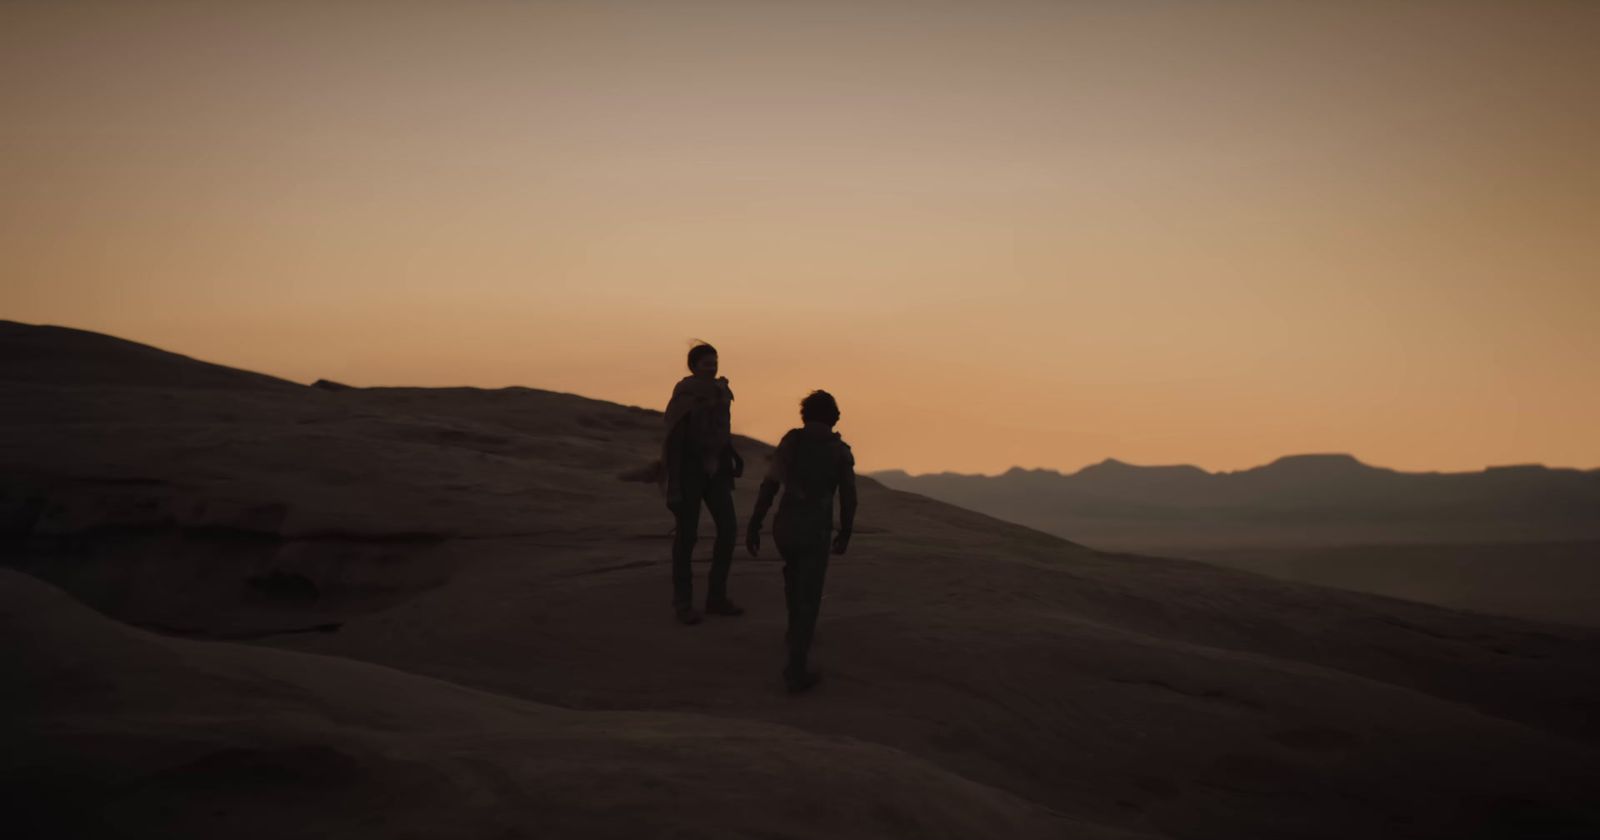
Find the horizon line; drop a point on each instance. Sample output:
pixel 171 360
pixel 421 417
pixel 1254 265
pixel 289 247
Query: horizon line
pixel 1109 460
pixel 1113 461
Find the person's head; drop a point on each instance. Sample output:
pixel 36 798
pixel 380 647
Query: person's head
pixel 703 360
pixel 819 407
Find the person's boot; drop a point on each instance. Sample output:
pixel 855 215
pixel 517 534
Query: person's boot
pixel 722 606
pixel 798 678
pixel 687 614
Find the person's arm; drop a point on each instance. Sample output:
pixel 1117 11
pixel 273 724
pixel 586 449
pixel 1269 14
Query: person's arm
pixel 675 422
pixel 752 537
pixel 769 491
pixel 847 502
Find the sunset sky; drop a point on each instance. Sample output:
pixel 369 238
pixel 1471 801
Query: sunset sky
pixel 1002 233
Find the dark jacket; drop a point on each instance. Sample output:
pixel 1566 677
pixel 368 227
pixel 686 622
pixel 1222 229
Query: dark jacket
pixel 698 434
pixel 812 464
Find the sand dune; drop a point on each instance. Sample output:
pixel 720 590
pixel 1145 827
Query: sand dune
pixel 1543 581
pixel 123 733
pixel 488 606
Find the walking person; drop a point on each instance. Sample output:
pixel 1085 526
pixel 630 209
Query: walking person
pixel 811 463
pixel 698 466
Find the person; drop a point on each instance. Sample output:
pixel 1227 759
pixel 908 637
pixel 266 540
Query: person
pixel 811 463
pixel 698 465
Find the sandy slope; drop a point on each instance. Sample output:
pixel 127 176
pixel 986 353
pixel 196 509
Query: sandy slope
pixel 122 733
pixel 1542 581
pixel 480 537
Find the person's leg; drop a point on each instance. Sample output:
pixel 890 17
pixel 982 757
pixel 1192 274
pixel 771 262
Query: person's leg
pixel 687 516
pixel 819 575
pixel 804 590
pixel 791 593
pixel 719 501
pixel 803 609
pixel 791 552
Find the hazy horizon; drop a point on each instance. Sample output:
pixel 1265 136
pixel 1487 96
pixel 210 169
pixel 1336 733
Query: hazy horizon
pixel 1126 462
pixel 1026 233
pixel 1061 470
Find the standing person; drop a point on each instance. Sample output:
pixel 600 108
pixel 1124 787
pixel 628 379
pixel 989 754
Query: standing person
pixel 699 465
pixel 811 463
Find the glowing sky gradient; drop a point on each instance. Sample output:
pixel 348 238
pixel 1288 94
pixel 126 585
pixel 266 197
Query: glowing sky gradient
pixel 1033 233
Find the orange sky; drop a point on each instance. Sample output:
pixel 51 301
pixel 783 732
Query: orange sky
pixel 1035 233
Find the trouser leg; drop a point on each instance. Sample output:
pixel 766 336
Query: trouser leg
pixel 791 592
pixel 803 577
pixel 687 516
pixel 719 501
pixel 683 551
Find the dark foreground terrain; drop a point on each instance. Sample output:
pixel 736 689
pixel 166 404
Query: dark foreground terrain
pixel 249 608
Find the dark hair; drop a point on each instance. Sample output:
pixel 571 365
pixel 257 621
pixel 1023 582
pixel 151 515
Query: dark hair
pixel 701 349
pixel 820 406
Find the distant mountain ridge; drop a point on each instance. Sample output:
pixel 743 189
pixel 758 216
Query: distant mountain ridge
pixel 1309 463
pixel 1296 499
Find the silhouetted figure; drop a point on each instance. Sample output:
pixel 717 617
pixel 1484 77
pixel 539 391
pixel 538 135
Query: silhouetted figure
pixel 812 462
pixel 699 464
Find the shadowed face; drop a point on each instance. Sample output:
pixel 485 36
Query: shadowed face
pixel 705 367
